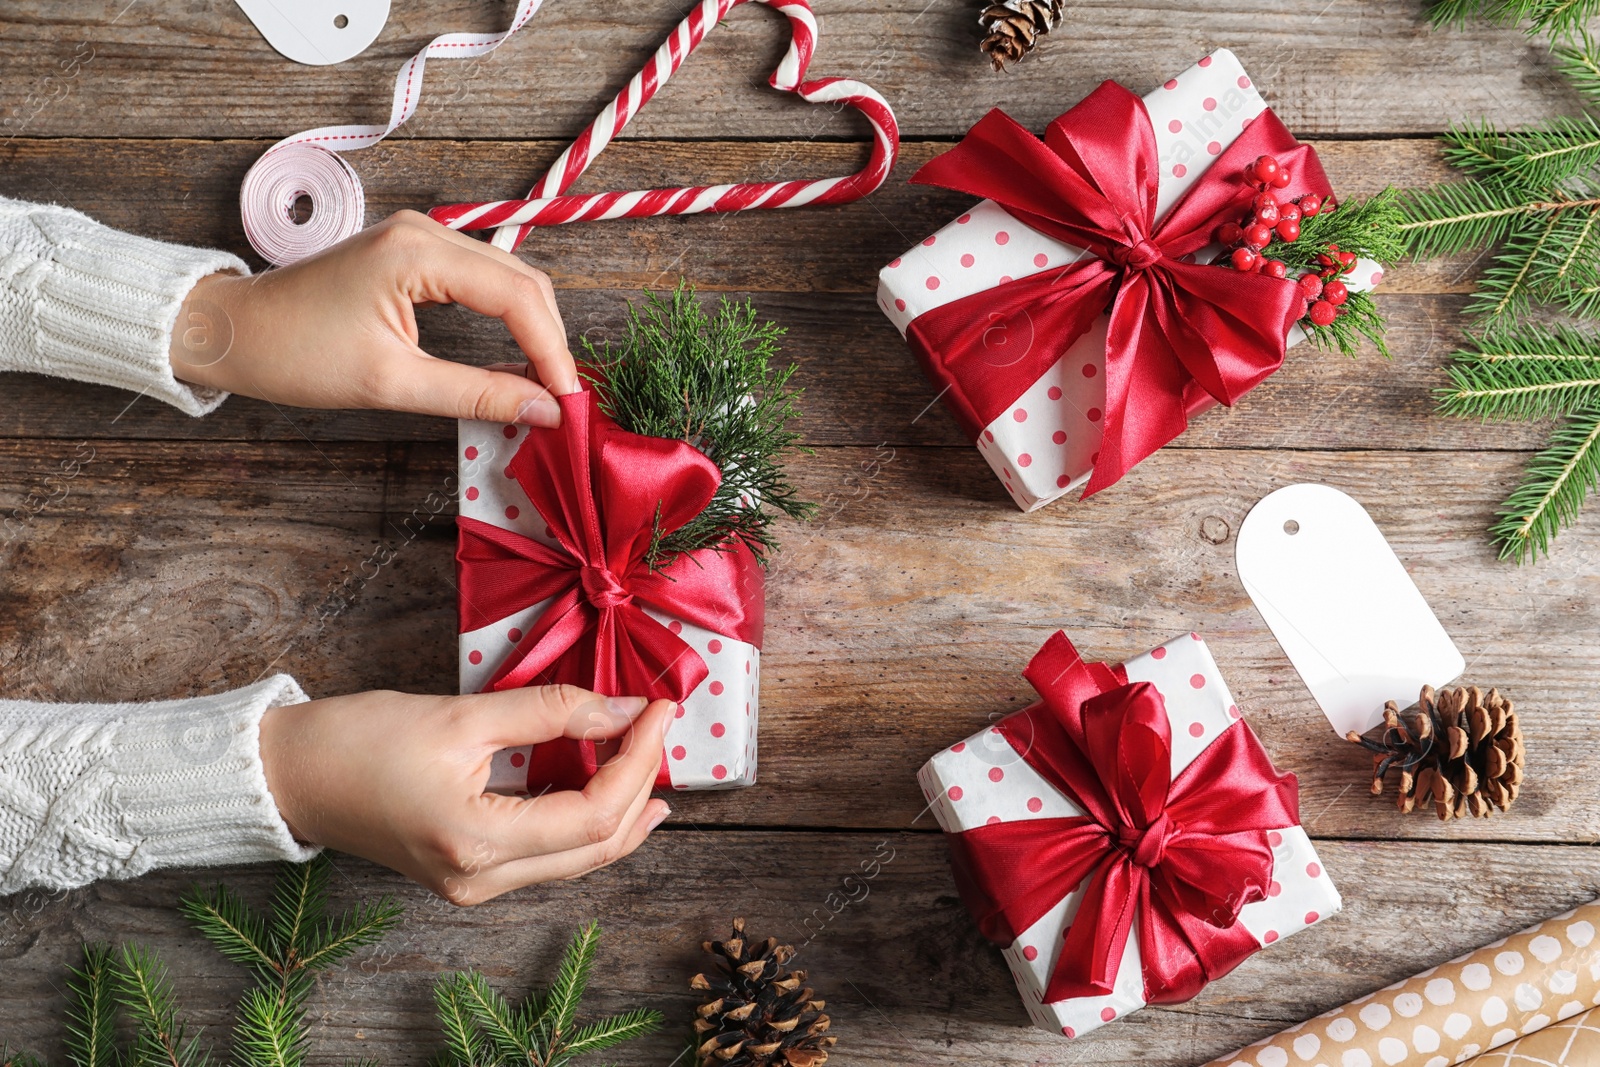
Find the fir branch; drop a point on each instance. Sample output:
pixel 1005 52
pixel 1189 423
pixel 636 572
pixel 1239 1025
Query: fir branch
pixel 572 979
pixel 1472 214
pixel 463 1045
pixel 335 939
pixel 1579 62
pixel 270 1032
pixel 145 992
pixel 299 897
pixel 18 1058
pixel 232 928
pixel 511 1040
pixel 1554 17
pixel 613 1031
pixel 1519 388
pixel 707 379
pixel 1552 490
pixel 91 1038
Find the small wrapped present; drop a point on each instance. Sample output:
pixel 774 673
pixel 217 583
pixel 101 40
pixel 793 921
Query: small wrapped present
pixel 554 587
pixel 1074 320
pixel 1125 839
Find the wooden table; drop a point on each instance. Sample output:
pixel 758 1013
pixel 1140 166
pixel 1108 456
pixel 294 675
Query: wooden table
pixel 189 555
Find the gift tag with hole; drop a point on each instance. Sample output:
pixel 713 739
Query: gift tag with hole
pixel 316 32
pixel 1341 604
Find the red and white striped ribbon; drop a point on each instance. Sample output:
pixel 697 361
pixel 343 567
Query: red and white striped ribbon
pixel 304 164
pixel 547 204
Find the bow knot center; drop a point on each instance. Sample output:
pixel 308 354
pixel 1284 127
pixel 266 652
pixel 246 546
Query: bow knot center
pixel 1148 847
pixel 1138 256
pixel 603 589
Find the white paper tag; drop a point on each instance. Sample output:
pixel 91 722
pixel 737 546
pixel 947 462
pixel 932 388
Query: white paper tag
pixel 316 32
pixel 1341 605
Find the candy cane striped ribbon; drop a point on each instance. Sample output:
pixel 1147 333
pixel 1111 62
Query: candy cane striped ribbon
pixel 547 204
pixel 304 164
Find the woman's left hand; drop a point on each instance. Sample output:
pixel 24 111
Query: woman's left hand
pixel 339 330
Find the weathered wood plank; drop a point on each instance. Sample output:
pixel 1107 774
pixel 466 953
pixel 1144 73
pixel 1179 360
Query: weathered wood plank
pixel 898 622
pixel 109 68
pixel 862 385
pixel 906 977
pixel 188 191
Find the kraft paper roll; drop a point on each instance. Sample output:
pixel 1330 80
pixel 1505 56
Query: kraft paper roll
pixel 1573 1043
pixel 1484 1000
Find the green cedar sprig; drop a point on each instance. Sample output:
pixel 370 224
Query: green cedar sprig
pixel 1367 228
pixel 482 1029
pixel 709 380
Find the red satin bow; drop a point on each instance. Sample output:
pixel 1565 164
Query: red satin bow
pixel 1182 335
pixel 601 491
pixel 1180 856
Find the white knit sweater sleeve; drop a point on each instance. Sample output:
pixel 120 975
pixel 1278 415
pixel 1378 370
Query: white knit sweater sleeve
pixel 90 791
pixel 81 300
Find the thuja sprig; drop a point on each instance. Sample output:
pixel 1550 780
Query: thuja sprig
pixel 1344 334
pixel 482 1029
pixel 1370 228
pixel 708 379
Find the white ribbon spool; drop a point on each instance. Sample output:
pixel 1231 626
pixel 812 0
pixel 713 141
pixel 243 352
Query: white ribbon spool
pixel 278 180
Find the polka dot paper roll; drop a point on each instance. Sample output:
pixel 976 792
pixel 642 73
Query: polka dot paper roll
pixel 1574 1042
pixel 1482 1001
pixel 1044 445
pixel 712 743
pixel 982 779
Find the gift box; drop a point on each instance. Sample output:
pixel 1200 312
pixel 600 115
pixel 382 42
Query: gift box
pixel 1006 308
pixel 1125 839
pixel 554 588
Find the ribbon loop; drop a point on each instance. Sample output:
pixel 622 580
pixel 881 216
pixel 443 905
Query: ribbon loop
pixel 1179 332
pixel 1180 855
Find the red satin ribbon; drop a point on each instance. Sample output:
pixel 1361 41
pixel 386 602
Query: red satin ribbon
pixel 1182 335
pixel 1180 857
pixel 601 490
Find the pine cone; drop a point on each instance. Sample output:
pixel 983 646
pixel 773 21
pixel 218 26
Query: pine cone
pixel 1013 27
pixel 1458 747
pixel 760 1017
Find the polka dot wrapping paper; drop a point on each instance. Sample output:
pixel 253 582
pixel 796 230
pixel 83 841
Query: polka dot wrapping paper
pixel 712 743
pixel 983 779
pixel 1486 1000
pixel 1045 444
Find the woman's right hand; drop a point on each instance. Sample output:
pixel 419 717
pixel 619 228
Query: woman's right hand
pixel 399 779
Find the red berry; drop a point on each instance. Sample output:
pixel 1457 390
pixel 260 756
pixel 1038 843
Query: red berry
pixel 1258 234
pixel 1244 259
pixel 1335 293
pixel 1322 313
pixel 1291 210
pixel 1266 208
pixel 1229 233
pixel 1276 268
pixel 1265 168
pixel 1281 179
pixel 1325 261
pixel 1289 229
pixel 1311 285
pixel 1310 204
pixel 1347 260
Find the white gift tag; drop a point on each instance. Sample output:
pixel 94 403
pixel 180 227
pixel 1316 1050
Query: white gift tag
pixel 316 32
pixel 1341 605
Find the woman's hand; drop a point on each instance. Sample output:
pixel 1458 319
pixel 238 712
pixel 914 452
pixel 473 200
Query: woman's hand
pixel 399 779
pixel 338 330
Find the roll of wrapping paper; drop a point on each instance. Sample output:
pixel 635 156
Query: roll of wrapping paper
pixel 1481 1001
pixel 1572 1043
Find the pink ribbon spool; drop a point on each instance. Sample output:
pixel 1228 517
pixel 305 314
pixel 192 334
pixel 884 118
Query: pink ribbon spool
pixel 279 179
